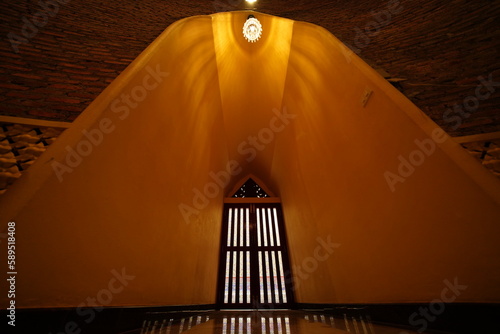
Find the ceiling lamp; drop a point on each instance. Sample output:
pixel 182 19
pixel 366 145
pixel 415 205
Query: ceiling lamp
pixel 252 29
pixel 251 1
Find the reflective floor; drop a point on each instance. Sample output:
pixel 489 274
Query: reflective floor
pixel 265 322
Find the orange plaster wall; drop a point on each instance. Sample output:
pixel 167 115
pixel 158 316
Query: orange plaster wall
pixel 393 247
pixel 119 208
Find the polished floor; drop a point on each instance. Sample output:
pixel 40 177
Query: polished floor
pixel 262 322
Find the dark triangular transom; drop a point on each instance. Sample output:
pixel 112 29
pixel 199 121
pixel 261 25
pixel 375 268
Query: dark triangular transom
pixel 250 189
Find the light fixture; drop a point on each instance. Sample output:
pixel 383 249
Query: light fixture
pixel 251 1
pixel 252 29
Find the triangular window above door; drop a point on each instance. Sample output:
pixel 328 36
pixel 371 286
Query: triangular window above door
pixel 250 189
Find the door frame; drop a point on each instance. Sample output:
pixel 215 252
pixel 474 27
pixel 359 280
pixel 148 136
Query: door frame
pixel 288 275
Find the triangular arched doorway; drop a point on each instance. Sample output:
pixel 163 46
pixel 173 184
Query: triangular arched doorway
pixel 254 269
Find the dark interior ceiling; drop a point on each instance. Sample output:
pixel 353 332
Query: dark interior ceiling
pixel 436 52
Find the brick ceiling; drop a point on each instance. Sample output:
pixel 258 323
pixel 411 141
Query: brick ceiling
pixel 435 51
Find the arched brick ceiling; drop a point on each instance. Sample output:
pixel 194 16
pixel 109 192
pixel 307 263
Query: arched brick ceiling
pixel 436 50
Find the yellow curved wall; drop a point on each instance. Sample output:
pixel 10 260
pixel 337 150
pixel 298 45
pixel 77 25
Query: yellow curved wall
pixel 119 207
pixel 440 224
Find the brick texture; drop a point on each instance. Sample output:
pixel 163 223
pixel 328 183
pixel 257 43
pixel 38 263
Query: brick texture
pixel 20 146
pixel 434 51
pixel 487 152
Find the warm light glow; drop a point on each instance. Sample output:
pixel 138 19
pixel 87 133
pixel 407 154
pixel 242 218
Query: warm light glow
pixel 251 1
pixel 252 30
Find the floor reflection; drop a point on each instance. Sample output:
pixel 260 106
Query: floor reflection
pixel 255 322
pixel 349 323
pixel 172 324
pixel 266 322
